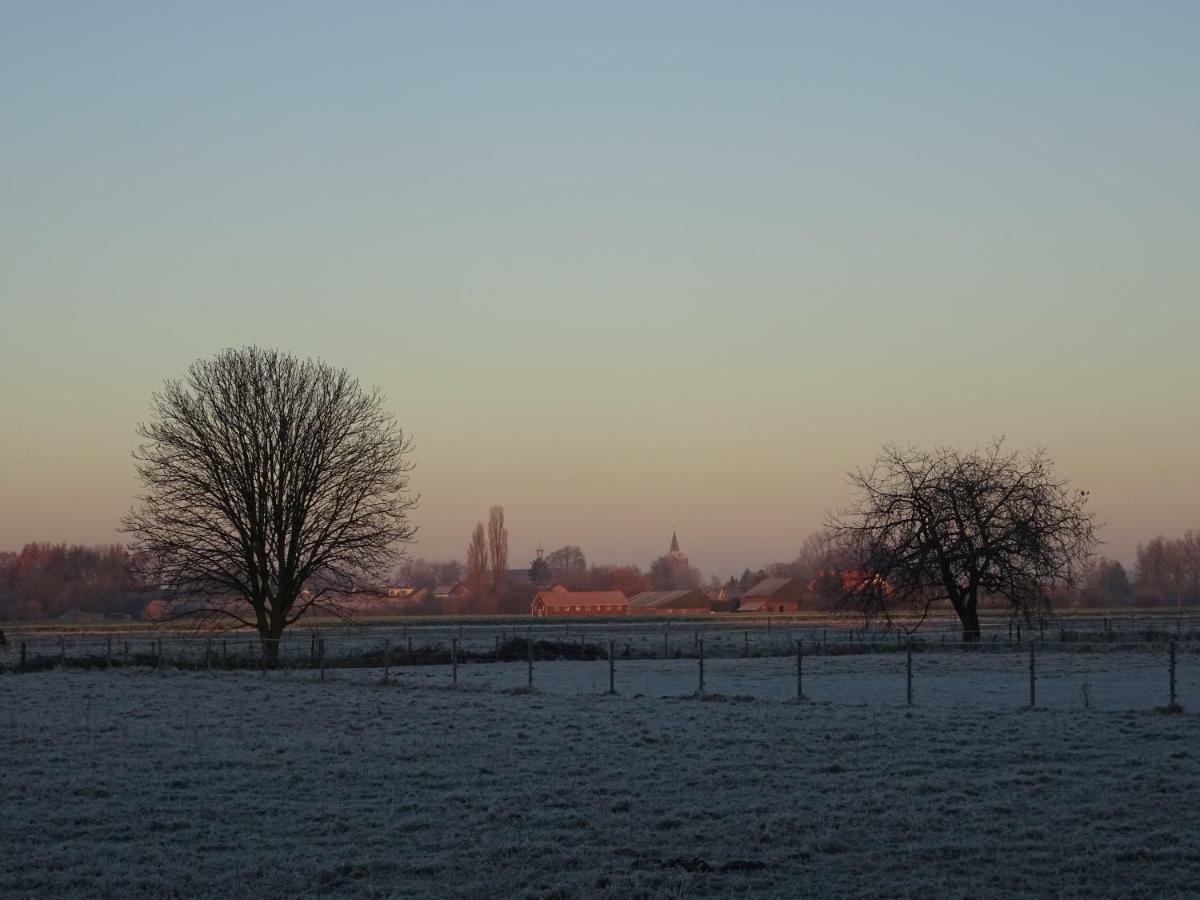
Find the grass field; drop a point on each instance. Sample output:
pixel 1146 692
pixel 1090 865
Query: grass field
pixel 138 784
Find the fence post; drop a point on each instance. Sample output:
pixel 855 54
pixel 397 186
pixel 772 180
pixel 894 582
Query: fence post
pixel 529 647
pixel 497 648
pixel 908 671
pixel 1172 669
pixel 454 661
pixel 127 653
pixel 108 653
pixel 62 650
pixel 822 640
pixel 321 656
pixel 22 654
pixel 800 670
pixel 410 651
pixel 612 674
pixel 745 643
pixel 387 659
pixel 702 668
pixel 667 641
pixel 1032 677
pixel 158 655
pixel 1018 635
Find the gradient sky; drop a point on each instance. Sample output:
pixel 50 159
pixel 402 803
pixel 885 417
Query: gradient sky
pixel 618 266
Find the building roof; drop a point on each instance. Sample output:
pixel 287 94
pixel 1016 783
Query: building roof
pixel 445 590
pixel 559 597
pixel 694 599
pixel 768 587
pixel 759 605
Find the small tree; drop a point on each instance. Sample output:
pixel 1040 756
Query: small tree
pixel 944 526
pixel 273 486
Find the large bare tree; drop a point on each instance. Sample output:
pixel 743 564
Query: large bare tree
pixel 933 527
pixel 272 486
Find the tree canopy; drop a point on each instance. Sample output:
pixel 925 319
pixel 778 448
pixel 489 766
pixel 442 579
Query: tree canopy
pixel 941 526
pixel 272 486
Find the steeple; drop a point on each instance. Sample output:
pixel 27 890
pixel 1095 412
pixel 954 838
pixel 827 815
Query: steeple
pixel 674 543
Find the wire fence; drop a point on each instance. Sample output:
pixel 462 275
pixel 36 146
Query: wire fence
pixel 1101 664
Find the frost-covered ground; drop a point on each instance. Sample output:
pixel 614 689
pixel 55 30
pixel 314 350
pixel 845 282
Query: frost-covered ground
pixel 133 783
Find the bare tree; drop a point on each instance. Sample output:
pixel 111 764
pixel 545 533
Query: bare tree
pixel 477 563
pixel 944 526
pixel 498 549
pixel 567 562
pixel 272 486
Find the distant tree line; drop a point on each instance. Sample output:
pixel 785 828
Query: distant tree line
pixel 49 581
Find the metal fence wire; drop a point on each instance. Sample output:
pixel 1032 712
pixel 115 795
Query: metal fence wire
pixel 1103 663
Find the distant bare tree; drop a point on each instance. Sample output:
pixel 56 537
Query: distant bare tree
pixel 273 486
pixel 498 549
pixel 1169 569
pixel 477 564
pixel 669 574
pixel 931 527
pixel 567 562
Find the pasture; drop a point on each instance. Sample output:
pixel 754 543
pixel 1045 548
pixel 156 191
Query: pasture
pixel 148 783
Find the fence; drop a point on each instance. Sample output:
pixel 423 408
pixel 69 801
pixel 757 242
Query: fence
pixel 1100 668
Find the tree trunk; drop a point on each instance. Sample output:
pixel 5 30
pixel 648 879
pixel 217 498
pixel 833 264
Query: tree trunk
pixel 970 623
pixel 270 650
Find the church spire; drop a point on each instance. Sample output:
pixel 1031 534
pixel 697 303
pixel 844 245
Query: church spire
pixel 674 542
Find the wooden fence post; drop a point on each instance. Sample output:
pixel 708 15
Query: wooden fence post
pixel 667 641
pixel 108 653
pixel 1032 677
pixel 497 648
pixel 454 661
pixel 62 650
pixel 1172 673
pixel 745 643
pixel 908 672
pixel 800 671
pixel 612 675
pixel 387 659
pixel 529 647
pixel 321 657
pixel 702 668
pixel 158 655
pixel 22 654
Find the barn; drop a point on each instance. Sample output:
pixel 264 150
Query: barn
pixel 561 602
pixel 670 603
pixel 773 595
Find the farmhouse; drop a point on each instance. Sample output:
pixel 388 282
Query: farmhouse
pixel 670 603
pixel 561 602
pixel 457 591
pixel 773 595
pixel 406 597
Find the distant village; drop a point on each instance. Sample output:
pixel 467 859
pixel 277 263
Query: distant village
pixel 562 586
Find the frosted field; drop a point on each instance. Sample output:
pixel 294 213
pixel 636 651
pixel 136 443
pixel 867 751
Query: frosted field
pixel 139 784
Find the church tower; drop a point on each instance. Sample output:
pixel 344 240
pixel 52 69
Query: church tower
pixel 677 556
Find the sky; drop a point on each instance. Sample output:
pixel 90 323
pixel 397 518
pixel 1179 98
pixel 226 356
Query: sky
pixel 619 267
